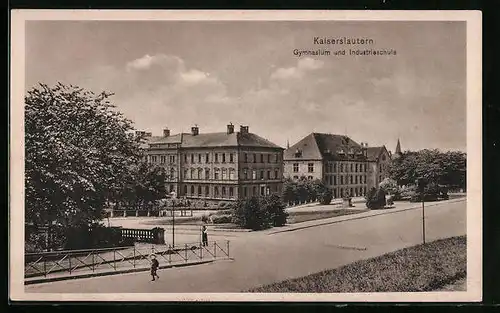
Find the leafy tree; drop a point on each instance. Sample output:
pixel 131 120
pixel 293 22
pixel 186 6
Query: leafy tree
pixel 145 185
pixel 289 191
pixel 390 186
pixel 375 198
pixel 324 193
pixel 276 209
pixel 251 214
pixel 78 154
pixel 448 168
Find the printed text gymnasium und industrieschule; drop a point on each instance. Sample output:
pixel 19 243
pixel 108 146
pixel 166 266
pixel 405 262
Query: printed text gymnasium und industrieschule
pixel 343 41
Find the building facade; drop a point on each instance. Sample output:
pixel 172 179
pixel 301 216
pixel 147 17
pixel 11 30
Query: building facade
pixel 342 164
pixel 218 166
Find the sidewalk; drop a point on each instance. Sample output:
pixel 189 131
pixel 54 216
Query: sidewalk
pixel 400 206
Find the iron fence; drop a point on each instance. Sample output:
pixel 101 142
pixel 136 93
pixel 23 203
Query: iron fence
pixel 74 262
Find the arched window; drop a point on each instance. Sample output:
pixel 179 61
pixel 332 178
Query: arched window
pixel 216 174
pixel 231 173
pixel 172 173
pixel 199 191
pixel 207 191
pixel 207 174
pixel 224 174
pixel 193 175
pixel 216 191
pixel 185 189
pixel 192 189
pixel 200 173
pixel 231 192
pixel 223 192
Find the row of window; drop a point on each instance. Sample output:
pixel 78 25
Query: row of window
pixel 227 174
pixel 205 157
pixel 263 174
pixel 262 158
pixel 310 167
pixel 346 180
pixel 162 159
pixel 349 167
pixel 223 192
pixel 353 192
pixel 217 157
pixel 227 192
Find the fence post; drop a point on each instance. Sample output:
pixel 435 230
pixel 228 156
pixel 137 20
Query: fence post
pixel 186 251
pixel 133 260
pixel 201 252
pixel 69 260
pixel 228 248
pixel 215 250
pixel 93 261
pixel 114 259
pixel 171 250
pixel 44 267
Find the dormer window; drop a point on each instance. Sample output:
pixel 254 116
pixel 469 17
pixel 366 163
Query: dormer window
pixel 298 153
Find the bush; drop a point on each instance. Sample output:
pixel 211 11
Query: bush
pixel 221 219
pixel 260 213
pixel 375 199
pixel 249 214
pixel 205 218
pixel 276 209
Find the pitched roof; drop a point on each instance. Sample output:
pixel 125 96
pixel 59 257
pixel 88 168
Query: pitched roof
pixel 222 139
pixel 373 153
pixel 307 146
pixel 319 146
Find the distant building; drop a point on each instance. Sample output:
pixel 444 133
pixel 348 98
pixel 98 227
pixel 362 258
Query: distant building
pixel 218 166
pixel 344 165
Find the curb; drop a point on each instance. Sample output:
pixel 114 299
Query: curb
pixel 88 275
pixel 362 217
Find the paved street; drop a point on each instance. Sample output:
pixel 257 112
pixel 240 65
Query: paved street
pixel 264 257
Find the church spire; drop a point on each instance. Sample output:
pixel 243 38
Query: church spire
pixel 398 148
pixel 287 144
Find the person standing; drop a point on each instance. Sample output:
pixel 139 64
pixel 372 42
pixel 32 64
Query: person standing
pixel 204 235
pixel 154 267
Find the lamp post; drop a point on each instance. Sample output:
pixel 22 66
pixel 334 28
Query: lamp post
pixel 173 195
pixel 421 183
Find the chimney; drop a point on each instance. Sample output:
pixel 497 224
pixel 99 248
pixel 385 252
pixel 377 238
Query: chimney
pixel 148 134
pixel 140 133
pixel 166 132
pixel 244 129
pixel 230 128
pixel 195 130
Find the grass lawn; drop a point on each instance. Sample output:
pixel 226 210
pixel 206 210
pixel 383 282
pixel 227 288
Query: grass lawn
pixel 299 217
pixel 420 268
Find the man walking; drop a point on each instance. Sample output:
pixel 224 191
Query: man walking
pixel 204 236
pixel 154 267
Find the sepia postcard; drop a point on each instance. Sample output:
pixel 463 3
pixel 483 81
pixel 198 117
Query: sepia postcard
pixel 245 156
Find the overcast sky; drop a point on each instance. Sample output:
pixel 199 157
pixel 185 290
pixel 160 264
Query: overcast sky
pixel 177 74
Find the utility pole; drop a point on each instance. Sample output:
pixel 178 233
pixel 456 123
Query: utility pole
pixel 421 183
pixel 173 196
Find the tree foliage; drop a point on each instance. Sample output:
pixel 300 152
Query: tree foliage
pixel 304 190
pixel 78 154
pixel 390 186
pixel 442 168
pixel 260 212
pixel 144 186
pixel 375 198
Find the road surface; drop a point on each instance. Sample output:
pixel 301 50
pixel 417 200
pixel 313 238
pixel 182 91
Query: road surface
pixel 262 258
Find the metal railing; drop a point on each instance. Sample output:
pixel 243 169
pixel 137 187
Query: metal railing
pixel 74 262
